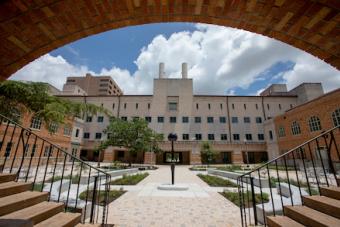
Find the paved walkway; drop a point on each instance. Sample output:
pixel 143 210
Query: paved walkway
pixel 201 205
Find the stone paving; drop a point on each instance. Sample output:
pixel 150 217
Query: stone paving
pixel 145 206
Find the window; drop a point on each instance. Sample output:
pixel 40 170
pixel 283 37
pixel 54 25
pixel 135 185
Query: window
pixel 89 119
pixel 160 119
pixel 282 132
pixel 296 128
pixel 149 105
pixel 245 106
pixel 210 119
pixel 196 106
pixel 124 118
pixel 86 135
pixel 246 119
pixel 47 151
pixel 249 137
pixel 120 154
pixel 233 106
pixel 336 117
pixel 148 119
pixel 209 106
pixel 280 106
pixel 98 135
pixel 256 106
pixel 185 119
pixel 35 123
pixel 268 106
pixel 172 119
pixel 258 120
pixel 224 137
pixel 260 136
pixel 26 150
pixel 136 106
pixel 113 105
pixel 270 134
pixel 124 105
pixel 314 124
pixel 223 120
pixel 100 119
pixel 34 149
pixel 198 136
pixel 67 131
pixel 234 120
pixel 197 119
pixel 221 106
pixel 8 149
pixel 172 106
pixel 77 132
pixel 185 136
pixel 211 137
pixel 53 127
pixel 236 136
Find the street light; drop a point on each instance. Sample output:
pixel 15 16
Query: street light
pixel 172 137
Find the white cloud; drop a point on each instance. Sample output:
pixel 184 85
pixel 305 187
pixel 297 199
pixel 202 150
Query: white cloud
pixel 219 59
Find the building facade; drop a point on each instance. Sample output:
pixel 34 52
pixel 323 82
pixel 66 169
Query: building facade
pixel 237 126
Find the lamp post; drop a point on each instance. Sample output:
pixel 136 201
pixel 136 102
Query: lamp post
pixel 172 137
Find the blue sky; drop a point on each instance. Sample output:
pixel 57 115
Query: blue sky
pixel 221 60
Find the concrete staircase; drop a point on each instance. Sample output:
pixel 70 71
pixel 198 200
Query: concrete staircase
pixel 317 210
pixel 21 207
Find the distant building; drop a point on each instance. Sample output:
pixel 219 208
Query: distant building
pixel 240 128
pixel 92 86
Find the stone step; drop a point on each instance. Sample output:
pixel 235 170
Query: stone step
pixel 282 221
pixel 36 213
pixel 323 204
pixel 12 187
pixel 332 192
pixel 310 217
pixel 61 220
pixel 91 225
pixel 6 177
pixel 21 200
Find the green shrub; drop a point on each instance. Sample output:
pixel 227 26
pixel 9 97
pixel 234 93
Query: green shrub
pixel 216 181
pixel 75 179
pixel 100 199
pixel 230 168
pixel 274 180
pixel 234 197
pixel 129 179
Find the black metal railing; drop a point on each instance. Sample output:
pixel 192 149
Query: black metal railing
pixel 283 181
pixel 80 186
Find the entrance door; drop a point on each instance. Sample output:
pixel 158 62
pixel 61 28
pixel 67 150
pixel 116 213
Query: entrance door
pixel 226 157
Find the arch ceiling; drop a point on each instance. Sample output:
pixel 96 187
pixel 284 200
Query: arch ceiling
pixel 32 28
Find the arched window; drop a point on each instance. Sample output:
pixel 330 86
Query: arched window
pixel 336 117
pixel 296 128
pixel 314 124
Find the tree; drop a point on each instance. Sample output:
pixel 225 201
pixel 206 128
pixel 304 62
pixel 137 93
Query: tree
pixel 33 97
pixel 208 155
pixel 134 135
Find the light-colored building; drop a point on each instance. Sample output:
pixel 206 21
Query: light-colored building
pixel 240 128
pixel 91 85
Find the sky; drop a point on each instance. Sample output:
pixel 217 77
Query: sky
pixel 221 60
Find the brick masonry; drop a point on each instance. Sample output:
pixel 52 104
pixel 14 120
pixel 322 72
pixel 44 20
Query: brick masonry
pixel 30 29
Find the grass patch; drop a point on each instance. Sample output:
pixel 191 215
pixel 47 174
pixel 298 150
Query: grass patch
pixel 216 181
pixel 198 168
pixel 234 197
pixel 38 187
pixel 282 168
pixel 274 180
pixel 230 168
pixel 130 179
pixel 100 199
pixel 75 179
pixel 313 191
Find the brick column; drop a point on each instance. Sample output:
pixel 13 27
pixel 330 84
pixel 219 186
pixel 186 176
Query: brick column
pixel 108 155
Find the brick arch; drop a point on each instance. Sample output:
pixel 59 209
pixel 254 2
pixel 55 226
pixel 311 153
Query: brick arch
pixel 32 28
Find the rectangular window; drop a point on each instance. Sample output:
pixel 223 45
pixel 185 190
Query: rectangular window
pixel 124 118
pixel 196 106
pixel 260 136
pixel 35 123
pixel 268 106
pixel 160 119
pixel 124 105
pixel 236 136
pixel 148 119
pixel 258 120
pixel 89 119
pixel 223 120
pixel 86 135
pixel 198 136
pixel 234 120
pixel 172 106
pixel 210 119
pixel 185 119
pixel 100 119
pixel 77 133
pixel 67 131
pixel 249 137
pixel 282 132
pixel 149 105
pixel 98 135
pixel 246 119
pixel 53 127
pixel 270 134
pixel 233 106
pixel 172 119
pixel 211 137
pixel 280 106
pixel 136 106
pixel 197 119
pixel 120 154
pixel 224 136
pixel 209 106
pixel 27 148
pixel 113 105
pixel 256 106
pixel 185 136
pixel 34 149
pixel 245 106
pixel 221 106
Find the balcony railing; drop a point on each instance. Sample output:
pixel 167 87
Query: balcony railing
pixel 68 179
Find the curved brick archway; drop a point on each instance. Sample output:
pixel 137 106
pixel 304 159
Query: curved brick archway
pixel 31 28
